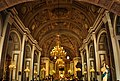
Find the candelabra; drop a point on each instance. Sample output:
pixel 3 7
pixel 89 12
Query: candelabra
pixel 12 66
pixel 92 70
pixel 27 70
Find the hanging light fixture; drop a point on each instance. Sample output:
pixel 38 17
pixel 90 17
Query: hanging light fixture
pixel 58 51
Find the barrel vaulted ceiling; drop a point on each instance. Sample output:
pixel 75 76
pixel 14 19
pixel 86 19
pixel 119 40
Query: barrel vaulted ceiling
pixel 69 18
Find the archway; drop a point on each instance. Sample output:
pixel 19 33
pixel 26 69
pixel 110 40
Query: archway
pixel 92 61
pixel 104 54
pixel 26 62
pixel 11 63
pixel 110 5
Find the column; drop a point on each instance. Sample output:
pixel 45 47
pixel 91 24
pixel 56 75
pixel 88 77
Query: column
pixel 2 40
pixel 15 63
pixel 72 67
pixel 75 60
pixel 16 60
pixel 46 61
pixel 28 60
pixel 81 53
pixel 51 67
pixel 96 56
pixel 35 71
pixel 114 44
pixel 3 35
pixel 88 62
pixel 32 63
pixel 39 65
pixel 47 66
pixel 21 55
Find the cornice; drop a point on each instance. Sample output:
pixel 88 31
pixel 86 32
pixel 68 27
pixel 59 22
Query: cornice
pixel 22 28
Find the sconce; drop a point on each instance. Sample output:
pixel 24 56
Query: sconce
pixel 43 69
pixel 35 72
pixel 85 72
pixel 53 72
pixel 35 75
pixel 78 69
pixel 69 71
pixel 27 70
pixel 92 70
pixel 12 66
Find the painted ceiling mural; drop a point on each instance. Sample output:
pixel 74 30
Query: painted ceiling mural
pixel 71 19
pixel 46 19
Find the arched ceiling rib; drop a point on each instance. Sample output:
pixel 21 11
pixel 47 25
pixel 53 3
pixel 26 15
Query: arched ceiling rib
pixel 111 5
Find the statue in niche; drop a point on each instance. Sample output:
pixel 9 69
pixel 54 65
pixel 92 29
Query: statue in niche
pixel 105 71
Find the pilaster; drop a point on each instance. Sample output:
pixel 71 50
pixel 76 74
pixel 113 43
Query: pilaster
pixel 32 62
pixel 21 55
pixel 81 53
pixel 46 61
pixel 96 55
pixel 39 64
pixel 114 43
pixel 88 62
pixel 75 60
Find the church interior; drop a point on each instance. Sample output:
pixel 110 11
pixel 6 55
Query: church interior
pixel 59 40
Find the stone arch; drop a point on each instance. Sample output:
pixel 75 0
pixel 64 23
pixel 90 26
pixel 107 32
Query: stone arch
pixel 1 24
pixel 91 50
pixel 15 40
pixel 99 34
pixel 102 38
pixel 110 5
pixel 9 3
pixel 92 61
pixel 102 49
pixel 13 53
pixel 115 24
pixel 18 35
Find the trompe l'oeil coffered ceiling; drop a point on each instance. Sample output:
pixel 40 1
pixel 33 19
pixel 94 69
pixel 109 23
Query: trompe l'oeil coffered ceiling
pixel 71 19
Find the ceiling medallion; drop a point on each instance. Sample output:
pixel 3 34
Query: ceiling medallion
pixel 60 12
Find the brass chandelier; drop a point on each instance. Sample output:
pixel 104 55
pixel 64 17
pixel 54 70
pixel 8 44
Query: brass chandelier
pixel 58 51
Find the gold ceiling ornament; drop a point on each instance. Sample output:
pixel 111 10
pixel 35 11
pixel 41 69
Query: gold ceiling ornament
pixel 58 51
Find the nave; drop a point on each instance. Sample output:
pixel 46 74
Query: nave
pixel 59 40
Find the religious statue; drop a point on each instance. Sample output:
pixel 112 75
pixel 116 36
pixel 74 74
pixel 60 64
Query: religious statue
pixel 105 72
